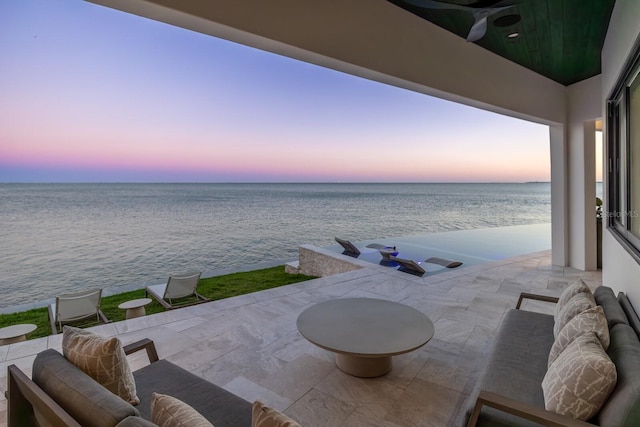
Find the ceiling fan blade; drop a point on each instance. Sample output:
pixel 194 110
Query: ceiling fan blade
pixel 480 14
pixel 494 10
pixel 489 4
pixel 478 29
pixel 432 4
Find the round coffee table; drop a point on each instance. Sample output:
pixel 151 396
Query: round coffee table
pixel 365 332
pixel 15 333
pixel 135 308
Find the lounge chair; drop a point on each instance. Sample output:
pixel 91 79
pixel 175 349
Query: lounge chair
pixel 408 266
pixel 444 262
pixel 178 291
pixel 70 308
pixel 349 248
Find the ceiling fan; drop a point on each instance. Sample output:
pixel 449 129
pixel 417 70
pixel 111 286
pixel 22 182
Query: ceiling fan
pixel 480 14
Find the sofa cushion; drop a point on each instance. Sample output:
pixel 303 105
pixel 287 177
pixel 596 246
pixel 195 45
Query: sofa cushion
pixel 516 365
pixel 264 416
pixel 622 409
pixel 570 291
pixel 81 396
pixel 577 304
pixel 580 380
pixel 101 358
pixel 135 422
pixel 167 411
pixel 612 309
pixel 589 321
pixel 220 407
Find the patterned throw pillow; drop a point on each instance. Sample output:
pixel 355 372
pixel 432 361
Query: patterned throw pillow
pixel 167 411
pixel 580 380
pixel 571 291
pixel 577 304
pixel 101 358
pixel 263 416
pixel 591 320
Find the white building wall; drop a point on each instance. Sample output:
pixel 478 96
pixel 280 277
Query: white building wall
pixel 584 107
pixel 559 195
pixel 619 270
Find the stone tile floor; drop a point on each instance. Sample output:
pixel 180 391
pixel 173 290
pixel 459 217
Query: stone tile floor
pixel 250 345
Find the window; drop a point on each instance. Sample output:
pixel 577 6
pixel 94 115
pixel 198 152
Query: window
pixel 623 134
pixel 615 166
pixel 634 155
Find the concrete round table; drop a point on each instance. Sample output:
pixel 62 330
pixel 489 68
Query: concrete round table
pixel 135 308
pixel 15 333
pixel 365 332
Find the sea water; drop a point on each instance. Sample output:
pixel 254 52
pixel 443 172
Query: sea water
pixel 58 238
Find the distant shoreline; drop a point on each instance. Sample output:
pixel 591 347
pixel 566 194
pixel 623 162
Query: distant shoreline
pixel 277 183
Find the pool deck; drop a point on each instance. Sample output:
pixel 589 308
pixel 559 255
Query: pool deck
pixel 250 345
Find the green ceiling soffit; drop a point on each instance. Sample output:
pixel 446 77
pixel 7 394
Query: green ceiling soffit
pixel 559 39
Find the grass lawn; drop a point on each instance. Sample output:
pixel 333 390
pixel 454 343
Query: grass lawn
pixel 212 287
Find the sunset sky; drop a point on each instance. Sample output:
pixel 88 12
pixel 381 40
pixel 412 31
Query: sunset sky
pixel 90 94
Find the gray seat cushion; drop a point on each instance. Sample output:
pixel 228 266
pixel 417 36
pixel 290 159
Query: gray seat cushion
pixel 632 316
pixel 81 396
pixel 220 407
pixel 516 366
pixel 612 310
pixel 622 409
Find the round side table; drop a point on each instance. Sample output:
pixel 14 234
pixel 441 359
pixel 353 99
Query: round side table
pixel 15 333
pixel 135 308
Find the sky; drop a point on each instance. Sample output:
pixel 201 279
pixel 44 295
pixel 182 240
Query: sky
pixel 91 94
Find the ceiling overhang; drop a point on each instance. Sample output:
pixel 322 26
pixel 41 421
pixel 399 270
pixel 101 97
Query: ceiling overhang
pixel 373 39
pixel 559 39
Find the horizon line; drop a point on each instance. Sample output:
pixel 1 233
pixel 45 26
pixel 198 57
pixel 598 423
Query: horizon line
pixel 276 182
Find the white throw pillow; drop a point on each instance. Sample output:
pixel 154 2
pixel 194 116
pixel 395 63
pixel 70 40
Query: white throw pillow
pixel 570 291
pixel 591 320
pixel 101 358
pixel 264 416
pixel 577 304
pixel 580 380
pixel 167 411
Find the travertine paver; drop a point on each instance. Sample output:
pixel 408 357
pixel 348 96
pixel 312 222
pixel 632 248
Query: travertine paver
pixel 250 345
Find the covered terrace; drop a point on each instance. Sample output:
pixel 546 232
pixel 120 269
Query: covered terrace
pixel 250 345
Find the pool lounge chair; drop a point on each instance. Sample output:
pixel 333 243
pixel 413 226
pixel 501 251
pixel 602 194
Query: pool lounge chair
pixel 444 262
pixel 349 248
pixel 179 291
pixel 70 308
pixel 412 267
pixel 408 266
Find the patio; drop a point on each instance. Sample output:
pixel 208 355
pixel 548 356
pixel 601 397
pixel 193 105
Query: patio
pixel 250 346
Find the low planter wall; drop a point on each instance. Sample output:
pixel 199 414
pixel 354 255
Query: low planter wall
pixel 315 261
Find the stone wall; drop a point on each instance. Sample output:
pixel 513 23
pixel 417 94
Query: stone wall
pixel 314 261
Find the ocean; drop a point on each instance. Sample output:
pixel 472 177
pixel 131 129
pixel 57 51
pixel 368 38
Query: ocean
pixel 59 238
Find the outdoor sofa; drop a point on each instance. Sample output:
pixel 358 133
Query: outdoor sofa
pixel 509 391
pixel 63 395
